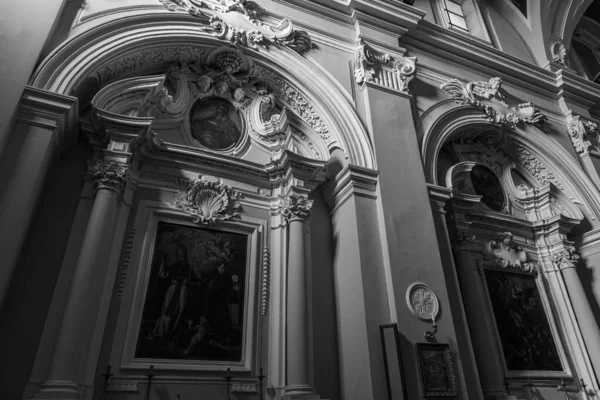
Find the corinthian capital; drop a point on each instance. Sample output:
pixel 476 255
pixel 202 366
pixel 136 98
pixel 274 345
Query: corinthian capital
pixel 109 175
pixel 296 208
pixel 566 258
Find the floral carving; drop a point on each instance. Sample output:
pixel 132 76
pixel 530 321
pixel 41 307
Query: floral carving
pixel 488 97
pixel 372 65
pixel 567 258
pixel 580 132
pixel 423 302
pixel 296 208
pixel 240 22
pixel 208 202
pixel 109 175
pixel 508 254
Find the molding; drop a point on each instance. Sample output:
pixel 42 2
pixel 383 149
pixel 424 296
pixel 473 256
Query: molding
pixel 266 281
pixel 126 258
pixel 350 181
pixel 51 111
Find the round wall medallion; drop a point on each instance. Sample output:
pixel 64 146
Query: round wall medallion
pixel 422 302
pixel 215 123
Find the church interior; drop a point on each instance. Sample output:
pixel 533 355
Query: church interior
pixel 300 200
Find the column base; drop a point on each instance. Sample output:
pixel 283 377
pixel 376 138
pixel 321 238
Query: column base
pixel 58 390
pixel 299 392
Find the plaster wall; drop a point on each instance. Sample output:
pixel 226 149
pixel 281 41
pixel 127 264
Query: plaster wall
pixel 24 28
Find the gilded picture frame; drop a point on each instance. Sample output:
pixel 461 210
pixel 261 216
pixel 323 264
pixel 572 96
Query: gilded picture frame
pixel 435 370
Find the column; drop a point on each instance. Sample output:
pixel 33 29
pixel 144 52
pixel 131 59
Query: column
pixel 296 211
pixel 83 304
pixel 565 259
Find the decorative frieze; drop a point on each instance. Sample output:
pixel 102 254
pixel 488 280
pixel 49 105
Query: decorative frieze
pixel 581 132
pixel 382 68
pixel 296 208
pixel 506 253
pixel 241 23
pixel 208 201
pixel 108 174
pixel 566 258
pixel 488 97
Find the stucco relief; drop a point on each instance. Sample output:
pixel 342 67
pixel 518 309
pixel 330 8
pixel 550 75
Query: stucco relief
pixel 423 302
pixel 507 253
pixel 489 98
pixel 242 23
pixel 382 68
pixel 582 133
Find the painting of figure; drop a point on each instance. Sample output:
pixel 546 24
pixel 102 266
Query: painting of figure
pixel 195 297
pixel 487 185
pixel 524 330
pixel 215 124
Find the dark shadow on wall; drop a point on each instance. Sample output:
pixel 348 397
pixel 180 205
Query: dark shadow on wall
pixel 588 279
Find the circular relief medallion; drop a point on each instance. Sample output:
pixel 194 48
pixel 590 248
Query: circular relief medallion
pixel 422 302
pixel 216 124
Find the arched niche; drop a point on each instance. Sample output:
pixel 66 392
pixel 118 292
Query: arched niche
pixel 146 44
pixel 525 149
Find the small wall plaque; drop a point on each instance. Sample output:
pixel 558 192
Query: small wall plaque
pixel 423 302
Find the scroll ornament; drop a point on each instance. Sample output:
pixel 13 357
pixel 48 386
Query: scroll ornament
pixel 240 22
pixel 296 208
pixel 109 175
pixel 208 202
pixel 567 258
pixel 580 131
pixel 508 254
pixel 371 63
pixel 488 97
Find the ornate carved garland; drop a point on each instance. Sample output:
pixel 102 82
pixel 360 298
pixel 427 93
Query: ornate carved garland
pixel 240 23
pixel 488 97
pixel 208 202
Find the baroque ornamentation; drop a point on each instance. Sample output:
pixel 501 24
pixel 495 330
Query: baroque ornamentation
pixel 266 281
pixel 488 97
pixel 382 68
pixel 240 22
pixel 276 126
pixel 422 302
pixel 580 132
pixel 567 258
pixel 109 175
pixel 506 253
pixel 296 208
pixel 559 53
pixel 208 202
pixel 461 239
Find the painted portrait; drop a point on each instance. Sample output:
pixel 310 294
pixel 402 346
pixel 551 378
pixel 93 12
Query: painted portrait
pixel 435 367
pixel 523 326
pixel 194 302
pixel 487 185
pixel 215 123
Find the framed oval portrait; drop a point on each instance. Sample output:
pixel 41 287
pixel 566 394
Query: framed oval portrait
pixel 216 124
pixel 487 185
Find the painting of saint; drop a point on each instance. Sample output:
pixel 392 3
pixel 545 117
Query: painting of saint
pixel 487 185
pixel 435 367
pixel 215 124
pixel 524 330
pixel 194 302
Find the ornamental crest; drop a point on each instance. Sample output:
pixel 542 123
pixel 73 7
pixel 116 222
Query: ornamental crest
pixel 508 254
pixel 241 23
pixel 488 97
pixel 208 202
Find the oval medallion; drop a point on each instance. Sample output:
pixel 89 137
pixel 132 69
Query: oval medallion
pixel 422 302
pixel 216 124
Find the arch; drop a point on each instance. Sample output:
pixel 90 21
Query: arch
pixel 83 55
pixel 442 121
pixel 566 19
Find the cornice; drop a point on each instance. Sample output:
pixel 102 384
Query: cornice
pixel 51 110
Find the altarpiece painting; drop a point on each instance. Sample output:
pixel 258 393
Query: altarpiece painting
pixel 523 327
pixel 194 301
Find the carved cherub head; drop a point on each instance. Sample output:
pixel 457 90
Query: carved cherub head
pixel 204 83
pixel 239 95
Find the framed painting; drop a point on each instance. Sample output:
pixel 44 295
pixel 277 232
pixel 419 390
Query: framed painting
pixel 394 371
pixel 525 333
pixel 435 370
pixel 215 123
pixel 194 301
